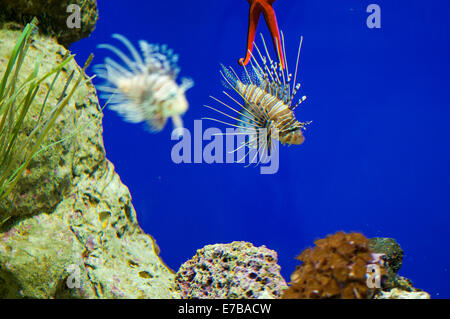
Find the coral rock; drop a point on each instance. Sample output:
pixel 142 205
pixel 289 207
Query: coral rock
pixel 335 268
pixel 49 177
pixel 402 294
pixel 53 16
pixel 392 256
pixel 74 233
pixel 393 253
pixel 236 270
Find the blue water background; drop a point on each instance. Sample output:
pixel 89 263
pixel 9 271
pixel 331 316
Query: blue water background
pixel 376 158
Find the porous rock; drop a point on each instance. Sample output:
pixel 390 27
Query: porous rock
pixel 72 232
pixel 235 270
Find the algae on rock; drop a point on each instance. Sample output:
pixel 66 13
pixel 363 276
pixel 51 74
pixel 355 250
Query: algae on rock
pixel 73 231
pixel 45 178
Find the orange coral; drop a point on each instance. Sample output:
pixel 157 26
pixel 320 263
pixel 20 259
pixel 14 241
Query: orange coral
pixel 335 268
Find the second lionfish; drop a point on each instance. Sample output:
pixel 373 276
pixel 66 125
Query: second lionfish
pixel 268 93
pixel 143 89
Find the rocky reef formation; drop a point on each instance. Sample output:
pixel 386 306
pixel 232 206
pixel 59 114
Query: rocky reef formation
pixel 341 266
pixel 235 270
pixel 394 286
pixel 336 267
pixel 69 229
pixel 53 16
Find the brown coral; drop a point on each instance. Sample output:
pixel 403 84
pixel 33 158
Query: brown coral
pixel 335 268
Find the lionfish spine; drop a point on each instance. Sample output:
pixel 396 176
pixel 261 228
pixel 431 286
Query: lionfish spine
pixel 268 94
pixel 143 88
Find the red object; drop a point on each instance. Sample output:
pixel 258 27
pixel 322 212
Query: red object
pixel 256 7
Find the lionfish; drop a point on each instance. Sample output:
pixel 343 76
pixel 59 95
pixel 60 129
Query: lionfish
pixel 268 94
pixel 144 88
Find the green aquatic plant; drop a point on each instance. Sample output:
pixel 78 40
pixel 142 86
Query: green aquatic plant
pixel 16 98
